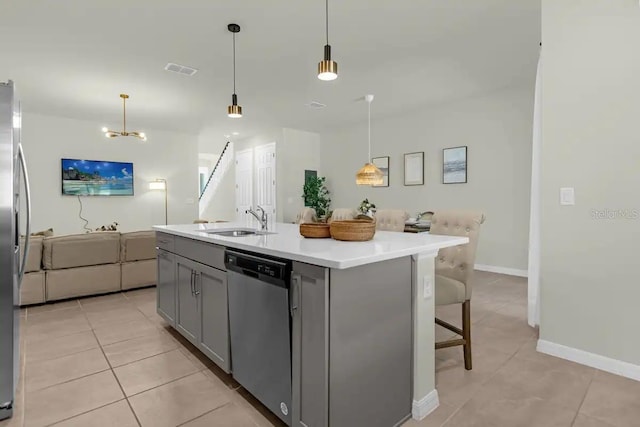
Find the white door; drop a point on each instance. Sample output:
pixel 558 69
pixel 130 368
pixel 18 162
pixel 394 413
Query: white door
pixel 265 167
pixel 244 183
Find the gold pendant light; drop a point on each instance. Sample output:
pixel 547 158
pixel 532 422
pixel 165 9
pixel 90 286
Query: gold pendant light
pixel 369 174
pixel 327 68
pixel 234 110
pixel 114 134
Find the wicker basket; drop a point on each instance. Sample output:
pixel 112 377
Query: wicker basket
pixel 315 230
pixel 354 230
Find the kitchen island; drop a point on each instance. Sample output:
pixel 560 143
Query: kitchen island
pixel 361 315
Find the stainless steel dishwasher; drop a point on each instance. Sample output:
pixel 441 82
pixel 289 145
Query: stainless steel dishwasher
pixel 260 328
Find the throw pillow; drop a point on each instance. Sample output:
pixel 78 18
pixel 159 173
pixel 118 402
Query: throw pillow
pixel 46 233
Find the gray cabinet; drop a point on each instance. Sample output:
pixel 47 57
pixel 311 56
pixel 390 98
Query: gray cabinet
pixel 188 317
pixel 202 312
pixel 211 287
pixel 310 342
pixel 166 288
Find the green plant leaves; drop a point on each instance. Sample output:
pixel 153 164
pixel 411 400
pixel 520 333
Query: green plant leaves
pixel 316 195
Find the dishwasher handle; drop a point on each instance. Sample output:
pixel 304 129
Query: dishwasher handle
pixel 250 273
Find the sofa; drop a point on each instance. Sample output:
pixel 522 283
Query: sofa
pixel 61 267
pixel 32 290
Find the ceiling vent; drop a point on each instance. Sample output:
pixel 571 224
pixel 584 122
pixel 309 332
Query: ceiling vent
pixel 316 105
pixel 180 69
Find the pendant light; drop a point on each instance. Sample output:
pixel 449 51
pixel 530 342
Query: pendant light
pixel 234 110
pixel 327 69
pixel 115 133
pixel 369 174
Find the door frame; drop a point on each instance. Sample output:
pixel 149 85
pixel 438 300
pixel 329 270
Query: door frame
pixel 238 154
pixel 275 174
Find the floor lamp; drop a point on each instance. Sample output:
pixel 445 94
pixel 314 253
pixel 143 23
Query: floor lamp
pixel 161 184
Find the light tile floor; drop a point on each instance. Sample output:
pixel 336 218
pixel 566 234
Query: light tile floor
pixel 112 361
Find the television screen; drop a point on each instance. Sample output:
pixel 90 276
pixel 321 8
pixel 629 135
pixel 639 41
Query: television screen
pixel 96 178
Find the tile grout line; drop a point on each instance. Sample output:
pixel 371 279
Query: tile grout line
pixel 144 358
pixel 117 380
pixel 584 397
pixel 72 379
pixel 208 412
pixel 100 346
pixel 84 413
pixel 64 355
pixel 168 382
pixel 453 414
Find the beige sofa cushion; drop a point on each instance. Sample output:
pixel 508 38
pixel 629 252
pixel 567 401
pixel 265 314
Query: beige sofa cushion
pixel 81 250
pixel 342 214
pixel 34 258
pixel 138 274
pixel 391 219
pixel 306 215
pixel 137 245
pixel 74 282
pixel 32 288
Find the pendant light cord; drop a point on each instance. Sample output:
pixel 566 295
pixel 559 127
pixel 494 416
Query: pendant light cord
pixel 327 19
pixel 124 116
pixel 369 159
pixel 234 63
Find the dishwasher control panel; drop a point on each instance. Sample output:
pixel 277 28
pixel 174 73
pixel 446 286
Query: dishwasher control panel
pixel 267 269
pixel 257 266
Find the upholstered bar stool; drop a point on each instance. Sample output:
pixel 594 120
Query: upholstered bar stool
pixel 342 214
pixel 306 215
pixel 454 270
pixel 391 219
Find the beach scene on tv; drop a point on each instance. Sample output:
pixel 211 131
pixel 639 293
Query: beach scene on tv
pixel 96 178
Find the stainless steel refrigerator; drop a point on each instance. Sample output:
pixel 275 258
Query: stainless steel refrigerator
pixel 13 177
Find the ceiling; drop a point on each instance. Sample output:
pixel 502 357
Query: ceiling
pixel 73 59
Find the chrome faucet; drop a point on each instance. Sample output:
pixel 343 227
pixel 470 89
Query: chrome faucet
pixel 262 218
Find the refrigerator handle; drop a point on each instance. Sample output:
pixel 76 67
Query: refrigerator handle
pixel 25 174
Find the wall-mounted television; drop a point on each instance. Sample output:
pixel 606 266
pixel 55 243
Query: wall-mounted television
pixel 96 178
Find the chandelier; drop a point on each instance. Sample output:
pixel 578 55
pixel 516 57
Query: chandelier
pixel 113 133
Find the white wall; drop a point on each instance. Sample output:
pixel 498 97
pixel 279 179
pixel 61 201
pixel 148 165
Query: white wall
pixel 497 129
pixel 168 155
pixel 222 206
pixel 590 292
pixel 299 151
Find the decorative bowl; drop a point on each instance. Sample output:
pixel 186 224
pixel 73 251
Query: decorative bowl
pixel 315 230
pixel 354 230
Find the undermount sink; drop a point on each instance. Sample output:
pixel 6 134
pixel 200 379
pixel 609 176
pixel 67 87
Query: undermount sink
pixel 240 232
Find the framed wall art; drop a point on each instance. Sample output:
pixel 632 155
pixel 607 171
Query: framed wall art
pixel 414 168
pixel 454 165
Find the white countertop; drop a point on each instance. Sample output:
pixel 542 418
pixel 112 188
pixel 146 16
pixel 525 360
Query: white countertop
pixel 286 242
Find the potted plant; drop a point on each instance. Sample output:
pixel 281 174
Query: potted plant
pixel 316 195
pixel 367 208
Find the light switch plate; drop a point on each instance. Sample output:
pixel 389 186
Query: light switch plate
pixel 427 288
pixel 567 196
pixel 190 201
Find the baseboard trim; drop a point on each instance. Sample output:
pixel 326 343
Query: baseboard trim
pixel 617 367
pixel 423 407
pixel 502 270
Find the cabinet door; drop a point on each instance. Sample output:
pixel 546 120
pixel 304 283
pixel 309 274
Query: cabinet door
pixel 310 345
pixel 166 288
pixel 188 315
pixel 214 339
